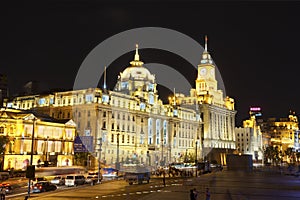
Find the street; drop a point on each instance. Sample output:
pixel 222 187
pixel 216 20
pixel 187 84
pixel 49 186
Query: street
pixel 222 185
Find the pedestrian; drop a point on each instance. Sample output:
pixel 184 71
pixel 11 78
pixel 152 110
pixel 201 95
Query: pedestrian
pixel 207 194
pixel 164 178
pixel 2 193
pixel 195 193
pixel 192 196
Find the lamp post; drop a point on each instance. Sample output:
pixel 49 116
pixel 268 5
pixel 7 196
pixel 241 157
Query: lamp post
pixel 162 152
pixel 196 160
pixel 31 153
pixel 117 161
pixel 99 161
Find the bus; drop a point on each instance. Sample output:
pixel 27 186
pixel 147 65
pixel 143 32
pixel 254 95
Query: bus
pixel 55 171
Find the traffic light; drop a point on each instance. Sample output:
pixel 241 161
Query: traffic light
pixel 30 172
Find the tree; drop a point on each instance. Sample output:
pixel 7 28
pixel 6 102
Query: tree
pixel 4 140
pixel 273 154
pixel 289 152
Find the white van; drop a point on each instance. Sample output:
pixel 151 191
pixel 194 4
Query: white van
pixel 74 180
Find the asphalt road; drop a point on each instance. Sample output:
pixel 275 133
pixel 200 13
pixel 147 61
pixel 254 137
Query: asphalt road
pixel 223 185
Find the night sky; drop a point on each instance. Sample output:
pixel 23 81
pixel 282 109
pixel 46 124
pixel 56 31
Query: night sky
pixel 255 45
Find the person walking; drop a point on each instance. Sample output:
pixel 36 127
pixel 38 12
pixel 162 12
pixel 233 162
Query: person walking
pixel 2 193
pixel 164 178
pixel 196 193
pixel 192 196
pixel 207 194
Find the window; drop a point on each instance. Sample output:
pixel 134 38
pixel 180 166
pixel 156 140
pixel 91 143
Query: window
pixel 112 138
pixel 104 125
pixel 88 113
pixel 132 140
pixel 1 130
pixel 123 138
pixel 133 118
pixel 112 126
pixel 112 115
pixel 128 139
pixel 104 114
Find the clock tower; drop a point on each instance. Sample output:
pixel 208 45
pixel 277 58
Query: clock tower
pixel 206 79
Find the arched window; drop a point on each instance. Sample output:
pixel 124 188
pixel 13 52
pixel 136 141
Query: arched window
pixel 157 131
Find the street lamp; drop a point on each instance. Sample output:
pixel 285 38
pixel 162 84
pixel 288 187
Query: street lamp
pixel 162 152
pixel 117 161
pixel 196 159
pixel 99 161
pixel 31 154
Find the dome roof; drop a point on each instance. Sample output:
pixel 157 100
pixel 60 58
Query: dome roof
pixel 136 71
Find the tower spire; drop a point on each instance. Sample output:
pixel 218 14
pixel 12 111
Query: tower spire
pixel 104 83
pixel 205 42
pixel 136 56
pixel 136 62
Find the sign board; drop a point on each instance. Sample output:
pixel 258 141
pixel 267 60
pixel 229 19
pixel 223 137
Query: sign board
pixel 83 144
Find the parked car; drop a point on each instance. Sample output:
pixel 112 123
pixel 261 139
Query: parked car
pixel 37 179
pixel 92 178
pixel 6 187
pixel 58 180
pixel 74 180
pixel 43 186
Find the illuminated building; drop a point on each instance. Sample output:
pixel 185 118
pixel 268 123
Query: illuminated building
pixel 132 122
pixel 249 138
pixel 217 112
pixel 53 139
pixel 283 132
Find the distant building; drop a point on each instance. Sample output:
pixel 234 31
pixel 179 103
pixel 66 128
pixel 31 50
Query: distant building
pixel 249 139
pixel 53 139
pixel 3 89
pixel 283 132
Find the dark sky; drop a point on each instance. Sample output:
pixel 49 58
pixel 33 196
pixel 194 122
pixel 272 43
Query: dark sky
pixel 255 45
